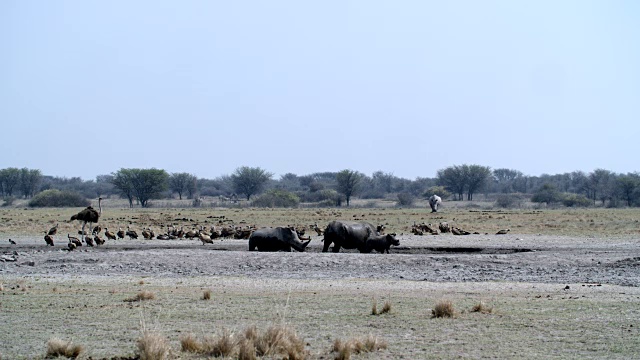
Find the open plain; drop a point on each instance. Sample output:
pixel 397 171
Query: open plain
pixel 561 284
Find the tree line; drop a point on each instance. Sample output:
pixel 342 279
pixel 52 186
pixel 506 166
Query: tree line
pixel 457 182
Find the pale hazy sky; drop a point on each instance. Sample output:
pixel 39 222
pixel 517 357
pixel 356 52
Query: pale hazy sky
pixel 408 87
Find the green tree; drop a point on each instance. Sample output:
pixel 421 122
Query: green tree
pixel 249 181
pixel 180 182
pixel 30 180
pixel 547 194
pixel 9 180
pixel 348 181
pixel 476 178
pixel 277 198
pixel 505 179
pixel 123 181
pixel 461 178
pixel 626 186
pixel 144 184
pixel 453 179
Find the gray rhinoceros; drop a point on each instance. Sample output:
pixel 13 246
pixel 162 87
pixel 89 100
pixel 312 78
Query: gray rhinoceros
pixel 380 243
pixel 276 239
pixel 434 202
pixel 348 235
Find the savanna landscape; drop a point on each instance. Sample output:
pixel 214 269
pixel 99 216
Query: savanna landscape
pixel 562 283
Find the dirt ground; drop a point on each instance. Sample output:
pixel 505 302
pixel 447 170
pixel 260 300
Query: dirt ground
pixel 472 258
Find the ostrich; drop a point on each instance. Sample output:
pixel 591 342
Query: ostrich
pixel 88 215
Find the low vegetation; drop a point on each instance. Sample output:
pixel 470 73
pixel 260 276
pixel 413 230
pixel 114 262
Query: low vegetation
pixel 141 296
pixel 57 198
pixel 443 309
pixel 62 348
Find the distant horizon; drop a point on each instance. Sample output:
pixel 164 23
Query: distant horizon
pixel 277 176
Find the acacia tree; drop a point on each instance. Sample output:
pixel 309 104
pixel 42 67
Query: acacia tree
pixel 180 183
pixel 453 179
pixel 249 181
pixel 122 180
pixel 348 181
pixel 546 194
pixel 9 179
pixel 476 178
pixel 505 179
pixel 143 184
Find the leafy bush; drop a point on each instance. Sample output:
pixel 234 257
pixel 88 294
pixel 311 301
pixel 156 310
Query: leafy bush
pixel 405 199
pixel 575 200
pixel 546 194
pixel 507 201
pixel 277 198
pixel 57 198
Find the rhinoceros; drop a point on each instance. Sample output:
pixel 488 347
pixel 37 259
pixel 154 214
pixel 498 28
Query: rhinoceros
pixel 434 202
pixel 348 234
pixel 380 243
pixel 276 239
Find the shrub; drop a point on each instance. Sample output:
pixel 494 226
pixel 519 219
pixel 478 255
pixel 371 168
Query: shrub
pixel 444 308
pixel 575 200
pixel 57 198
pixel 277 198
pixel 506 201
pixel 57 347
pixel 546 194
pixel 405 199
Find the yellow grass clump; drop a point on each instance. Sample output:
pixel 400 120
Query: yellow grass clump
pixel 444 308
pixel 57 347
pixel 344 349
pixel 141 296
pixel 386 308
pixel 481 308
pixel 153 346
pixel 206 295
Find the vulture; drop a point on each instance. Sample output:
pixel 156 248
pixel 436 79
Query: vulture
pixel 120 233
pixel 109 234
pixel 53 230
pixel 48 239
pixel 88 215
pixel 12 242
pixel 503 231
pixel 74 240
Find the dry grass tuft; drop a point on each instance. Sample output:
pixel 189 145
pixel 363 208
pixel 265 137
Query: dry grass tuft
pixel 55 289
pixel 277 340
pixel 386 308
pixel 189 343
pixel 246 350
pixel 141 282
pixel 141 296
pixel 343 349
pixel 58 347
pixel 221 346
pixel 206 295
pixel 444 308
pixel 153 346
pixel 374 307
pixel 481 308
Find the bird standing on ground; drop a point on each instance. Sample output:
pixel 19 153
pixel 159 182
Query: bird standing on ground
pixel 503 231
pixel 109 234
pixel 88 215
pixel 12 242
pixel 48 238
pixel 53 230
